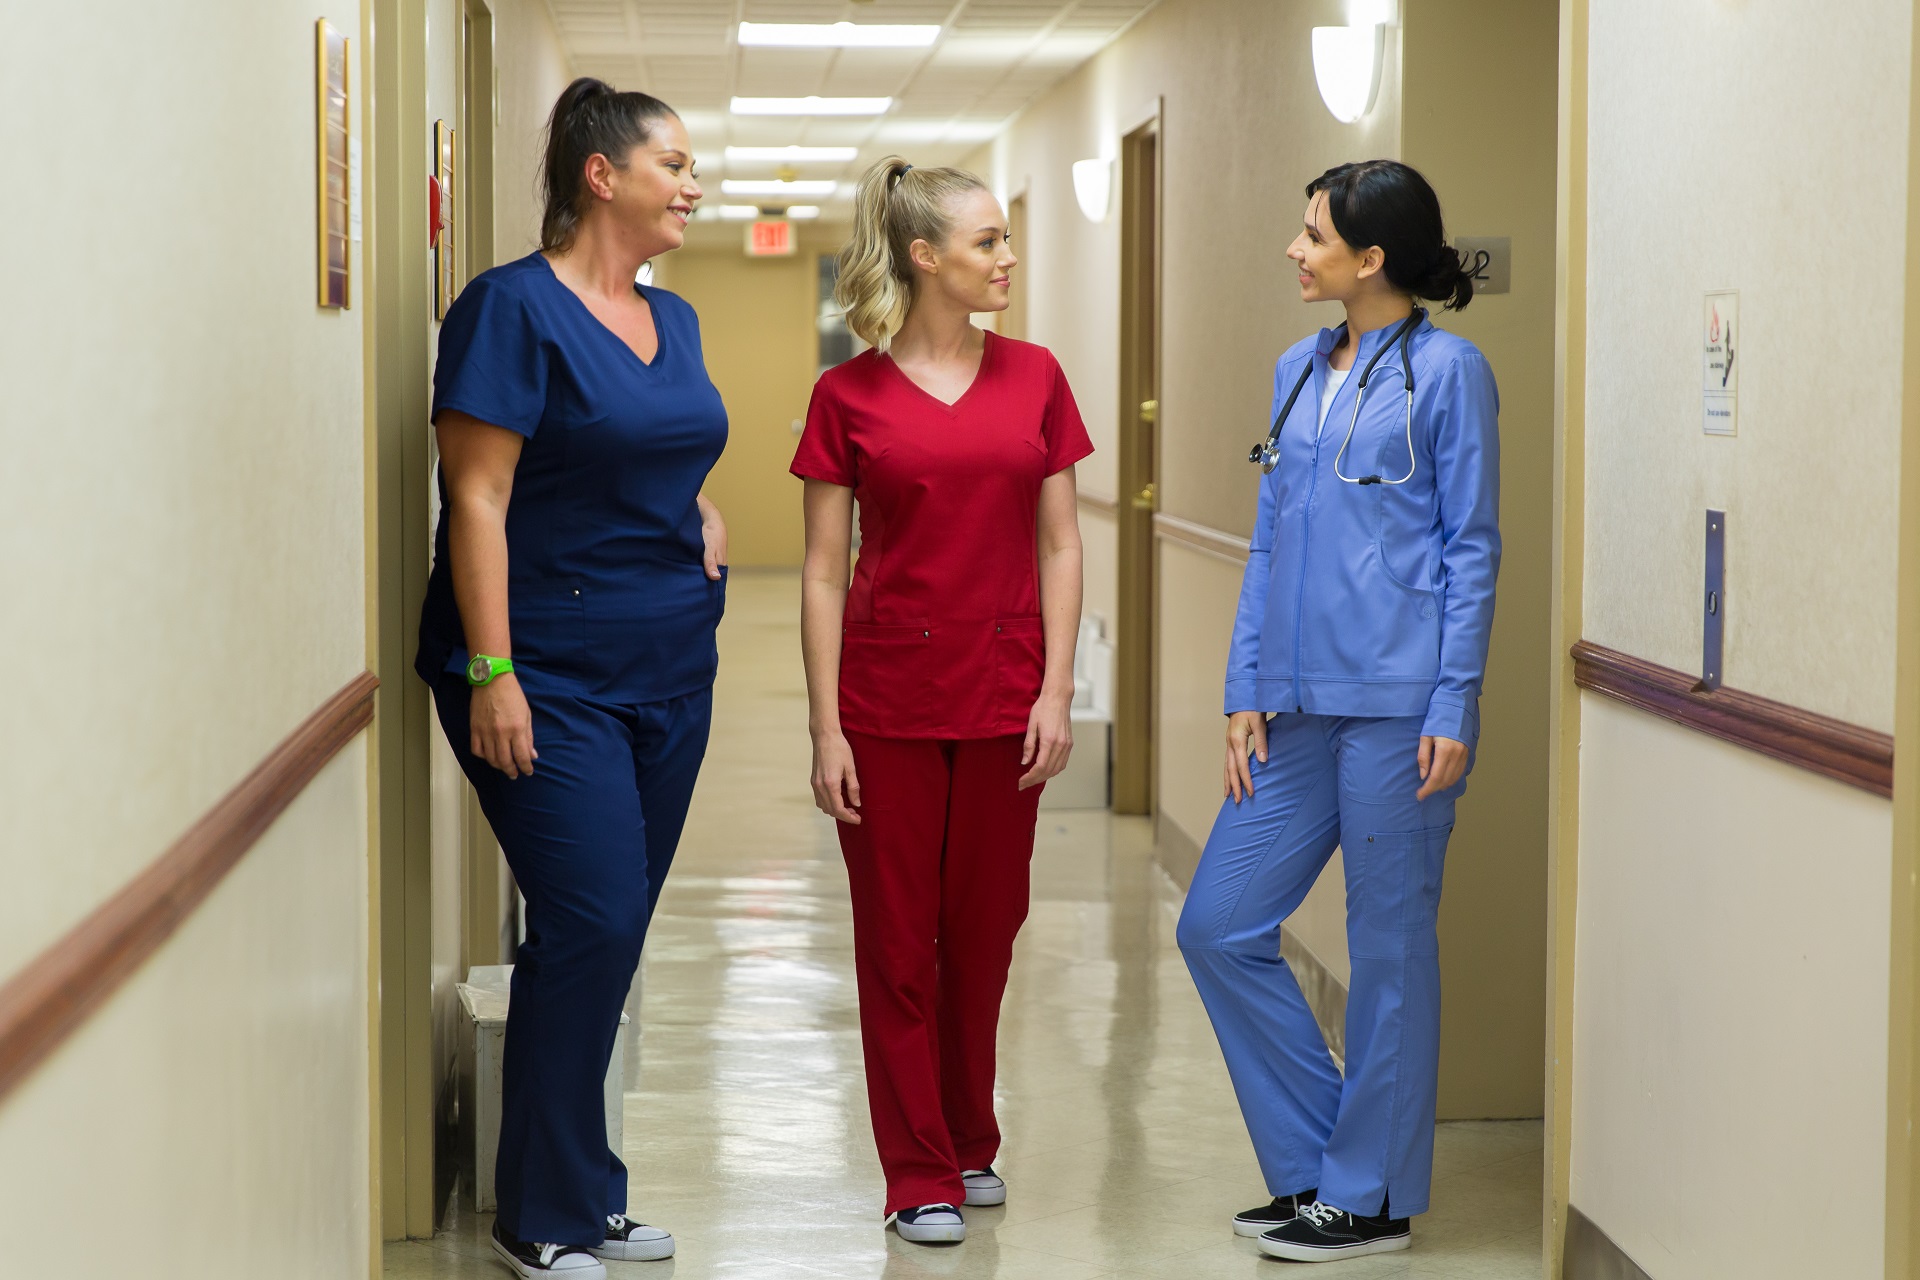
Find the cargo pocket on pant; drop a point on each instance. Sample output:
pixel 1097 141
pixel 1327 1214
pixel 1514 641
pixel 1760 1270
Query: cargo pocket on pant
pixel 1394 900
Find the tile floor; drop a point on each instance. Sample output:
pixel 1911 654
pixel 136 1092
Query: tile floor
pixel 746 1118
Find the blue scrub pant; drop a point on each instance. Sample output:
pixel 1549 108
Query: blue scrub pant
pixel 1330 781
pixel 589 836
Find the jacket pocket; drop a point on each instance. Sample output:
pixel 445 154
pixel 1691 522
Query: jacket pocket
pixel 884 678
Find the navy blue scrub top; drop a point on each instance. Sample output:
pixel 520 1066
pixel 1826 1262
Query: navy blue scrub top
pixel 606 591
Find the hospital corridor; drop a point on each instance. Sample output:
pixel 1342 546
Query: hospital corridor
pixel 745 1112
pixel 960 639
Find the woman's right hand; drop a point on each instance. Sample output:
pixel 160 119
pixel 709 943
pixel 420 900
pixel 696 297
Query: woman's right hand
pixel 1246 738
pixel 836 787
pixel 500 726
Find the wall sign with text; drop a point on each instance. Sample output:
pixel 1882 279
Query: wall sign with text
pixel 1720 364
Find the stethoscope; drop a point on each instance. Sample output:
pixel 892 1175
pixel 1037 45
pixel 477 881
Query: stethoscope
pixel 1267 452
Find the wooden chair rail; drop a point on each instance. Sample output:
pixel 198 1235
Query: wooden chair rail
pixel 1821 744
pixel 45 1002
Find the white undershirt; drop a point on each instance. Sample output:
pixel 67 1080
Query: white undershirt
pixel 1329 388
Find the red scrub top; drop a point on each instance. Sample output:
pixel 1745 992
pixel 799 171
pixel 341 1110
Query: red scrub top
pixel 942 631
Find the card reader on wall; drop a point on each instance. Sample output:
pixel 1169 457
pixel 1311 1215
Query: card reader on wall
pixel 1713 602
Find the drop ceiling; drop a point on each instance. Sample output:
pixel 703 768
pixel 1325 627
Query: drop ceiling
pixel 992 58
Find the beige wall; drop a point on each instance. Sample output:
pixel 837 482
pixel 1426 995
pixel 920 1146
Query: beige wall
pixel 1487 143
pixel 1243 131
pixel 762 350
pixel 533 69
pixel 1730 1006
pixel 182 519
pixel 1730 1030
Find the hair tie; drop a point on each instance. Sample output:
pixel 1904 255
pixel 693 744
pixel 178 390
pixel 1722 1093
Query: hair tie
pixel 898 174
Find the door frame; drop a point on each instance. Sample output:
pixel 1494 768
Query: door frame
pixel 397 149
pixel 1136 668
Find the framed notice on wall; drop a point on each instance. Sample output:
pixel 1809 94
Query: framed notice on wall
pixel 333 59
pixel 446 277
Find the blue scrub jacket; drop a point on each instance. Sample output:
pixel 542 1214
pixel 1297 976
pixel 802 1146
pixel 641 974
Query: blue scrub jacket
pixel 1376 599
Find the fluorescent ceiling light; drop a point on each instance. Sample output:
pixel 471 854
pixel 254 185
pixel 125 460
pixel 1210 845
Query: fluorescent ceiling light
pixel 838 35
pixel 803 211
pixel 811 106
pixel 774 187
pixel 793 155
pixel 739 212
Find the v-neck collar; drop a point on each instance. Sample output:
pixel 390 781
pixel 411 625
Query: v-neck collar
pixel 659 334
pixel 988 339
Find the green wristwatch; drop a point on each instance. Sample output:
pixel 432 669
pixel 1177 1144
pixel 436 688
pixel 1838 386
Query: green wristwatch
pixel 483 669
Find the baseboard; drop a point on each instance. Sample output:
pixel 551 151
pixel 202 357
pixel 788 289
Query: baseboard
pixel 1592 1255
pixel 1179 853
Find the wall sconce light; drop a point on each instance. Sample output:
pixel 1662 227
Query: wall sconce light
pixel 1093 187
pixel 1346 66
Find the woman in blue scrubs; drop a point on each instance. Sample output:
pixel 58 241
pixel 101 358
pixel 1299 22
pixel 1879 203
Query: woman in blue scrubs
pixel 1352 697
pixel 568 631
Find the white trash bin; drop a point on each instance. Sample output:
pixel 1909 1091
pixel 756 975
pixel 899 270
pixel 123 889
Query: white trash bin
pixel 484 998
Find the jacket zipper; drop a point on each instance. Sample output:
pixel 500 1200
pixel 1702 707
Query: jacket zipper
pixel 1306 541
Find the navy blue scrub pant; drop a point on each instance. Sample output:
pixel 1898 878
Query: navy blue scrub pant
pixel 589 836
pixel 1329 781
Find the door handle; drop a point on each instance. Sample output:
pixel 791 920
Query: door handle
pixel 1150 411
pixel 1144 500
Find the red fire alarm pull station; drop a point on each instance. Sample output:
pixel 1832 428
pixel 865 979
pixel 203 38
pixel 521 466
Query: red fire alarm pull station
pixel 770 238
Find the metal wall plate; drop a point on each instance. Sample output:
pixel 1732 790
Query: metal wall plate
pixel 1714 600
pixel 1489 260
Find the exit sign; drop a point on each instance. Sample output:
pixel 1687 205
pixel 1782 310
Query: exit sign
pixel 770 238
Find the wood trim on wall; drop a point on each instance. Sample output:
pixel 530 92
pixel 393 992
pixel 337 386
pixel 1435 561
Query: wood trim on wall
pixel 1215 542
pixel 1100 502
pixel 58 990
pixel 1805 739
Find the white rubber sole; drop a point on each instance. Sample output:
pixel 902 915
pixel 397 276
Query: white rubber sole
pixel 929 1233
pixel 1254 1230
pixel 593 1272
pixel 987 1194
pixel 654 1250
pixel 1307 1253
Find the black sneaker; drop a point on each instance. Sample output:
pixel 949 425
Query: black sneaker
pixel 1322 1233
pixel 1257 1222
pixel 630 1241
pixel 930 1224
pixel 984 1187
pixel 531 1261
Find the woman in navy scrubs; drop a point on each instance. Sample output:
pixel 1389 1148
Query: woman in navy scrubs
pixel 568 631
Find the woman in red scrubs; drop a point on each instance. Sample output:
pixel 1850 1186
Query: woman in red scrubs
pixel 940 682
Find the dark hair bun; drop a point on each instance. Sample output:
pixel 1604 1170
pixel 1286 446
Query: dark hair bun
pixel 1388 204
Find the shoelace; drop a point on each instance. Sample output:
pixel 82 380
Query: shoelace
pixel 1321 1214
pixel 617 1226
pixel 548 1252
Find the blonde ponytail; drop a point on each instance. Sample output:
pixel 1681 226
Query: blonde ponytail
pixel 895 205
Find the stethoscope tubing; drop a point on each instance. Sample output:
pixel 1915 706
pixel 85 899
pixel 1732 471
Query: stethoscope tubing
pixel 1267 453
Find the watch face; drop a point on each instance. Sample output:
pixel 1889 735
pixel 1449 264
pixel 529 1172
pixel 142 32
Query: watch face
pixel 479 671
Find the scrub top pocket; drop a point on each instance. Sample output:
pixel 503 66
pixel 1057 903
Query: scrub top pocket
pixel 884 674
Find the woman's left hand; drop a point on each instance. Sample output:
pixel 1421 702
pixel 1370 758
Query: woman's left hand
pixel 1443 762
pixel 1049 739
pixel 713 532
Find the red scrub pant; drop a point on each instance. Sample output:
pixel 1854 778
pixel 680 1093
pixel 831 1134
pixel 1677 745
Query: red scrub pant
pixel 939 870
